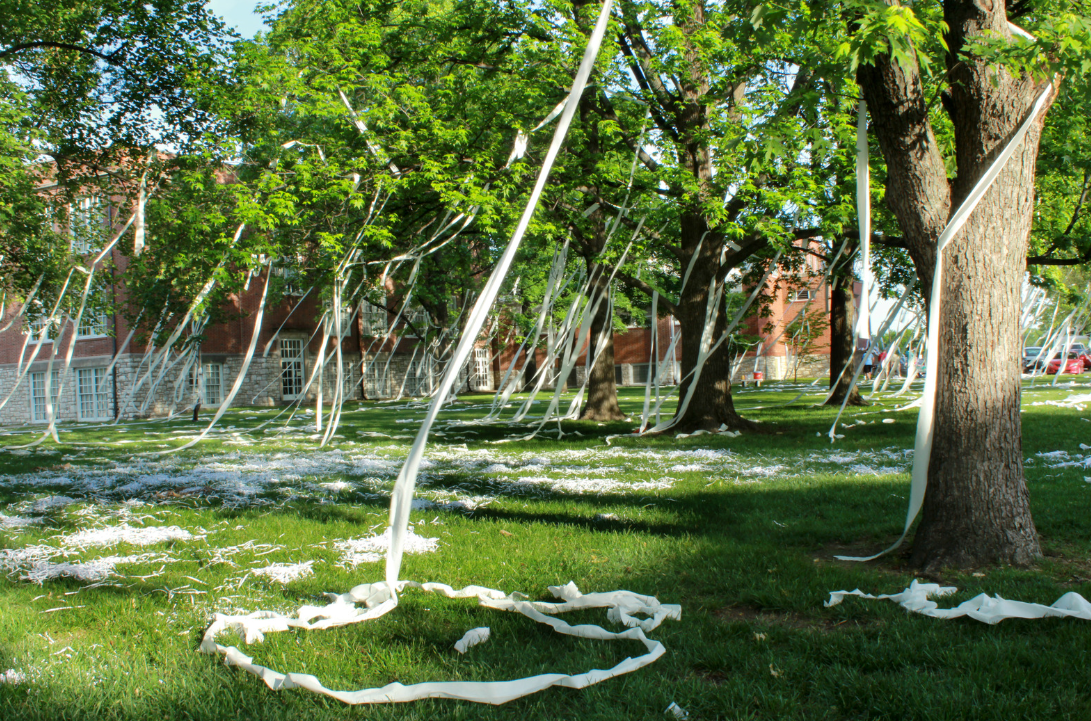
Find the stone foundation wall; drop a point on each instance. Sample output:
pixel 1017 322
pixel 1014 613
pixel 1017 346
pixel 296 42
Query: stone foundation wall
pixel 18 409
pixel 386 377
pixel 778 368
pixel 172 392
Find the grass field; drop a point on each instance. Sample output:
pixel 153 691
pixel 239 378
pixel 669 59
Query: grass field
pixel 113 558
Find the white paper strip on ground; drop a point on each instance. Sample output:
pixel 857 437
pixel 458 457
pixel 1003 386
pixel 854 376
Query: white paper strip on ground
pixel 984 608
pixel 623 607
pixel 472 638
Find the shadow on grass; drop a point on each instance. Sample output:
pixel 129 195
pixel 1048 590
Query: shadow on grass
pixel 751 566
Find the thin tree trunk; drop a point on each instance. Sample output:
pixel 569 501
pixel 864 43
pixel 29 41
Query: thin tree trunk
pixel 976 509
pixel 842 352
pixel 711 404
pixel 531 370
pixel 601 402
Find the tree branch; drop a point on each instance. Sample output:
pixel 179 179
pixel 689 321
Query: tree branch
pixel 627 279
pixel 62 46
pixel 650 83
pixel 750 246
pixel 1050 260
pixel 606 108
pixel 393 312
pixel 1080 202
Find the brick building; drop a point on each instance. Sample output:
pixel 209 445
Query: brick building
pixel 109 374
pixel 109 377
pixel 800 302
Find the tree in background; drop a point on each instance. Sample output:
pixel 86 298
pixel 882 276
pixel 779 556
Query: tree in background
pixel 801 337
pixel 737 130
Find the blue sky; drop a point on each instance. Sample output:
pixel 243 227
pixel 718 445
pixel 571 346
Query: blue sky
pixel 239 14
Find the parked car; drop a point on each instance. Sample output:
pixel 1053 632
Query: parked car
pixel 1084 353
pixel 1031 361
pixel 1073 364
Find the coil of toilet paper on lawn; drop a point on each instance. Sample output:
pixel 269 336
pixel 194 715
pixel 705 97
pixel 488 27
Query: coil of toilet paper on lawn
pixel 624 607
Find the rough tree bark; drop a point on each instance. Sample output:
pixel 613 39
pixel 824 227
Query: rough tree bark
pixel 687 105
pixel 842 349
pixel 976 507
pixel 711 405
pixel 601 402
pixel 591 238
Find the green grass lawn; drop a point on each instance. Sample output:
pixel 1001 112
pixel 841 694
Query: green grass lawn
pixel 742 532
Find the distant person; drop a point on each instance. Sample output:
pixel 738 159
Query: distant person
pixel 896 364
pixel 869 364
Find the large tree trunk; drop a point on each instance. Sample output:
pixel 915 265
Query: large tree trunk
pixel 601 402
pixel 842 350
pixel 976 508
pixel 711 404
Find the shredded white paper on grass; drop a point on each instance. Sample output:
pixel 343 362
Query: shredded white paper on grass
pixel 12 677
pixel 285 572
pixel 42 505
pixel 125 533
pixel 11 522
pixel 355 551
pixel 91 571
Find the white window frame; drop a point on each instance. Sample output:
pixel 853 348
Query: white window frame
pixel 94 324
pixel 803 295
pixel 37 393
pixel 212 372
pixel 293 358
pixel 92 401
pixel 35 329
pixel 481 379
pixel 374 320
pixel 375 385
pixel 86 217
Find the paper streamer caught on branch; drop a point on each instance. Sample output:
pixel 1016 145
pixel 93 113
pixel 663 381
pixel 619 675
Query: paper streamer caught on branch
pixel 863 210
pixel 403 488
pixel 380 598
pixel 922 448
